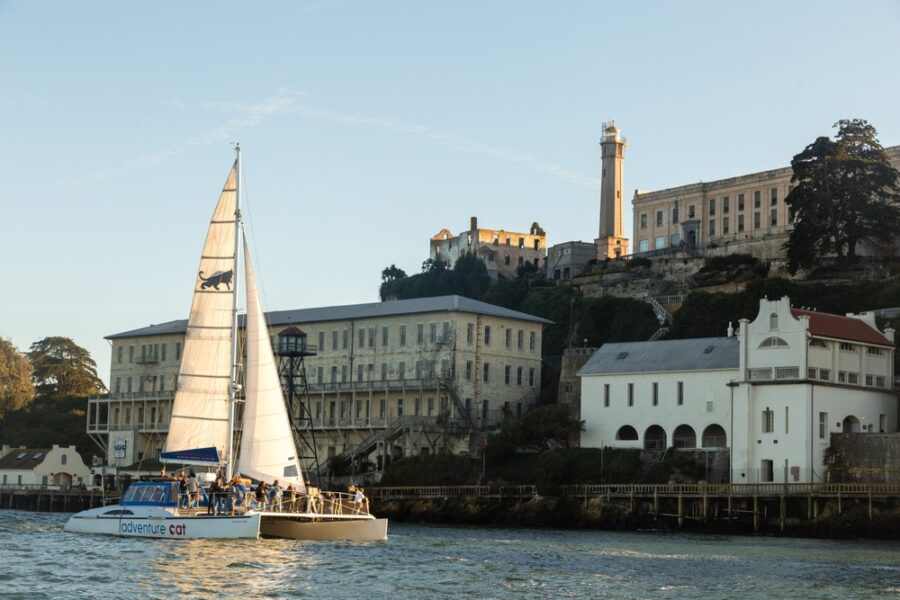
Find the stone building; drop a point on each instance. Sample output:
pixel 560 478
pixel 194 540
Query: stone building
pixel 567 260
pixel 772 395
pixel 745 214
pixel 387 379
pixel 502 252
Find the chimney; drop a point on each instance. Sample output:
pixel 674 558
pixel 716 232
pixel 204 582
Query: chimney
pixel 473 223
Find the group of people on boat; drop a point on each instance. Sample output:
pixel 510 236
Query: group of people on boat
pixel 239 494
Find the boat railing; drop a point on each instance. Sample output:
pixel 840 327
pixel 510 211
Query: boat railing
pixel 318 503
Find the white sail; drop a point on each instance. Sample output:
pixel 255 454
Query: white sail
pixel 200 409
pixel 267 450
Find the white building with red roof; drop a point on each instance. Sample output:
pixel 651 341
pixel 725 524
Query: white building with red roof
pixel 772 395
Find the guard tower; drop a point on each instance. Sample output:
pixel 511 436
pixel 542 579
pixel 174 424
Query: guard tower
pixel 611 243
pixel 292 348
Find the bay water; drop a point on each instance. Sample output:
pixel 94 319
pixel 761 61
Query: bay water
pixel 39 560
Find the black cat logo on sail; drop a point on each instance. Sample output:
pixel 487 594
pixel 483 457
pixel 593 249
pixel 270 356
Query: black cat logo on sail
pixel 216 279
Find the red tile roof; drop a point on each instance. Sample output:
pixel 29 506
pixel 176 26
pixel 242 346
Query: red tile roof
pixel 842 328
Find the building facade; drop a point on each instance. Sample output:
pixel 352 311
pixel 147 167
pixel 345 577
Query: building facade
pixel 502 252
pixel 386 379
pixel 772 395
pixel 567 260
pixel 744 214
pixel 57 466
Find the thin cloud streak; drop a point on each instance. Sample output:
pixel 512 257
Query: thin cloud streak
pixel 285 102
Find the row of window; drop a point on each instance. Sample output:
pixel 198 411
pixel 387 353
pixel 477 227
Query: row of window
pixel 726 208
pixel 425 407
pixel 757 223
pixel 424 369
pixel 143 384
pixel 368 337
pixel 149 353
pixel 654 395
pixel 845 346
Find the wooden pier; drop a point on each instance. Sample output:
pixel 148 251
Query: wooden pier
pixel 51 498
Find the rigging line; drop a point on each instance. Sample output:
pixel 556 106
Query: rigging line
pixel 257 267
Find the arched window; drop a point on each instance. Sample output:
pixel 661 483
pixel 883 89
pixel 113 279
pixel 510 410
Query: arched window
pixel 714 437
pixel 63 459
pixel 684 437
pixel 773 342
pixel 627 433
pixel 655 438
pixel 773 322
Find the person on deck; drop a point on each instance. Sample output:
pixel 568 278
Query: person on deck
pixel 291 498
pixel 277 496
pixel 262 495
pixel 215 493
pixel 183 491
pixel 193 490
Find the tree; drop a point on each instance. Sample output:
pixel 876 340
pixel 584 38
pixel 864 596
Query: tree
pixel 392 273
pixel 63 369
pixel 16 389
pixel 846 191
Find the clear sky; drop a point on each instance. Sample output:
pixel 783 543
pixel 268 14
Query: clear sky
pixel 369 126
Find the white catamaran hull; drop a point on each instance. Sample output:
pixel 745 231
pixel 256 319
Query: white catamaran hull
pixel 352 530
pixel 168 527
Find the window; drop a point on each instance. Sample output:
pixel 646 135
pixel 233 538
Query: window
pixel 507 372
pixel 756 220
pixel 873 351
pixel 659 243
pixel 487 335
pixel 345 339
pixel 531 376
pixel 879 381
pixel 520 340
pixel 63 459
pixel 773 342
pixel 659 218
pixel 129 385
pixel 825 374
pixel 177 350
pixel 470 332
pixel 712 228
pixel 869 380
pixel 817 343
pixel 712 206
pixel 774 216
pixel 468 370
pixel 130 354
pixel 508 337
pixel 519 376
pixel 768 420
pixel 675 214
pixel 531 340
pixel 384 337
pixel 767 470
pixel 630 394
pixel 320 374
pixel 644 245
pixel 847 347
pixel 118 387
pixel 644 221
pixel 420 333
pixel 773 322
pixel 740 202
pixel 384 371
pixel 655 399
pixel 842 376
pixel 371 337
pixel 811 373
pixel 757 199
pixel 445 331
pixel 725 228
pixel 403 335
pixel 774 193
pixel 119 354
pixel 322 340
pixel 823 425
pixel 740 223
pixel 432 332
pixel 680 393
pixel 487 372
pixel 362 338
pixel 726 205
pixel 401 370
pixel 853 378
pixel 521 242
pixel 787 372
pixel 691 211
pixel 606 395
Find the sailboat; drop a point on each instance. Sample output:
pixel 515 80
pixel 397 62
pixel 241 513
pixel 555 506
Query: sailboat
pixel 202 422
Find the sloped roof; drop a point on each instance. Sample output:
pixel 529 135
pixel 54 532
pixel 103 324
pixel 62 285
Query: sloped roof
pixel 357 311
pixel 696 354
pixel 27 462
pixel 842 328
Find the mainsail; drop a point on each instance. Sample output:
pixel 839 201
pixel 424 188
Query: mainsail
pixel 267 450
pixel 198 430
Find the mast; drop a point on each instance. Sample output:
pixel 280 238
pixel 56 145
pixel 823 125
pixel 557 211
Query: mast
pixel 232 385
